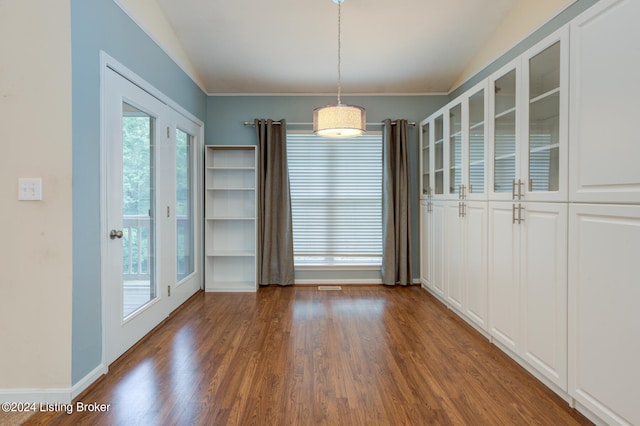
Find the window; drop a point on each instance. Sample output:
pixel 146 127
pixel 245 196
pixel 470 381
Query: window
pixel 336 199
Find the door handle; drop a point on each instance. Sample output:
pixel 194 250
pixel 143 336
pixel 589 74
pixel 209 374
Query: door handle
pixel 115 234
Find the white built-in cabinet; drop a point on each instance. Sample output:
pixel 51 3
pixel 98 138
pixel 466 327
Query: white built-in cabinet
pixel 466 260
pixel 605 141
pixel 528 205
pixel 230 218
pixel 426 240
pixel 453 187
pixel 544 259
pixel 438 248
pixel 528 285
pixel 604 213
pixel 604 318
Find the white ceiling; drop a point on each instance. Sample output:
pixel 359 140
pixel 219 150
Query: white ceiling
pixel 290 46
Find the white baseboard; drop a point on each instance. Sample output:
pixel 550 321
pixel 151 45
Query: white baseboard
pixel 88 380
pixel 52 395
pixel 36 396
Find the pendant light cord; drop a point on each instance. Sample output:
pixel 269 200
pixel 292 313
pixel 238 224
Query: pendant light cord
pixel 339 48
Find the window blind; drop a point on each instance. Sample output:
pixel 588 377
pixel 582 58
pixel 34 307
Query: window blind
pixel 336 198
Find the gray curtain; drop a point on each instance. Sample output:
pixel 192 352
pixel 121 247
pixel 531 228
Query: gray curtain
pixel 275 235
pixel 396 204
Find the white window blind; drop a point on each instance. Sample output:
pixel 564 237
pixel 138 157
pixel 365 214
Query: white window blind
pixel 336 199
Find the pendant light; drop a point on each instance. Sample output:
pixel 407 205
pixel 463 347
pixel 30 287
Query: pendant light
pixel 340 120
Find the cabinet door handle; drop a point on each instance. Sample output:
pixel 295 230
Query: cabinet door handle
pixel 464 210
pixel 513 190
pixel 520 185
pixel 520 218
pixel 459 209
pixel 513 214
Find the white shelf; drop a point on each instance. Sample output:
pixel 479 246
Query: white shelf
pixel 229 168
pixel 506 112
pixel 231 253
pixel 545 95
pixel 233 287
pixel 230 218
pixel 231 189
pixel 504 157
pixel 477 125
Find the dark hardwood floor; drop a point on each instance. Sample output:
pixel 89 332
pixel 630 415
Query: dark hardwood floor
pixel 366 355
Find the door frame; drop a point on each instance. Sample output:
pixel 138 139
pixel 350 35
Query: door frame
pixel 109 64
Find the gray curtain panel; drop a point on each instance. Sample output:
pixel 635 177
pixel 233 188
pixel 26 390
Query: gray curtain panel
pixel 275 235
pixel 396 204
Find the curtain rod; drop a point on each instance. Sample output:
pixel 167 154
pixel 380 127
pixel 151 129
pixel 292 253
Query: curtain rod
pixel 251 123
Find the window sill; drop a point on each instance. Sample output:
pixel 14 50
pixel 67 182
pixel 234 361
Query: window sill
pixel 336 267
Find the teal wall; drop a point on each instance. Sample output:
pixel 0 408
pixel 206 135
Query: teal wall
pixel 101 25
pixel 554 24
pixel 226 114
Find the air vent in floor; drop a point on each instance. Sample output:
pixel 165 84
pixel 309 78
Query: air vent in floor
pixel 329 287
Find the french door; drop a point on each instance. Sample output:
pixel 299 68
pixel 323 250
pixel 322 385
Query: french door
pixel 150 208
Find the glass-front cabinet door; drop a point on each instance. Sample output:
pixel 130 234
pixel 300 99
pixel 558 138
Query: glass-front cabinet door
pixel 455 151
pixel 545 161
pixel 504 183
pixel 432 157
pixel 529 133
pixel 425 159
pixel 476 157
pixel 438 153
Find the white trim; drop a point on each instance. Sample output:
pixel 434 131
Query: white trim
pixel 108 61
pixel 337 267
pixel 329 94
pixel 104 60
pixel 88 380
pixel 339 281
pixel 53 395
pixel 36 396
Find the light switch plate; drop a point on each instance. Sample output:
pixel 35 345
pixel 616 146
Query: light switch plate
pixel 30 189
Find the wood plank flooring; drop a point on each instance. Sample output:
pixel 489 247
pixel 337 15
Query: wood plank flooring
pixel 366 355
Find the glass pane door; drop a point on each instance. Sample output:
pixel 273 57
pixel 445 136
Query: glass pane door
pixel 505 133
pixel 185 259
pixel 455 149
pixel 138 213
pixel 476 143
pixel 544 120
